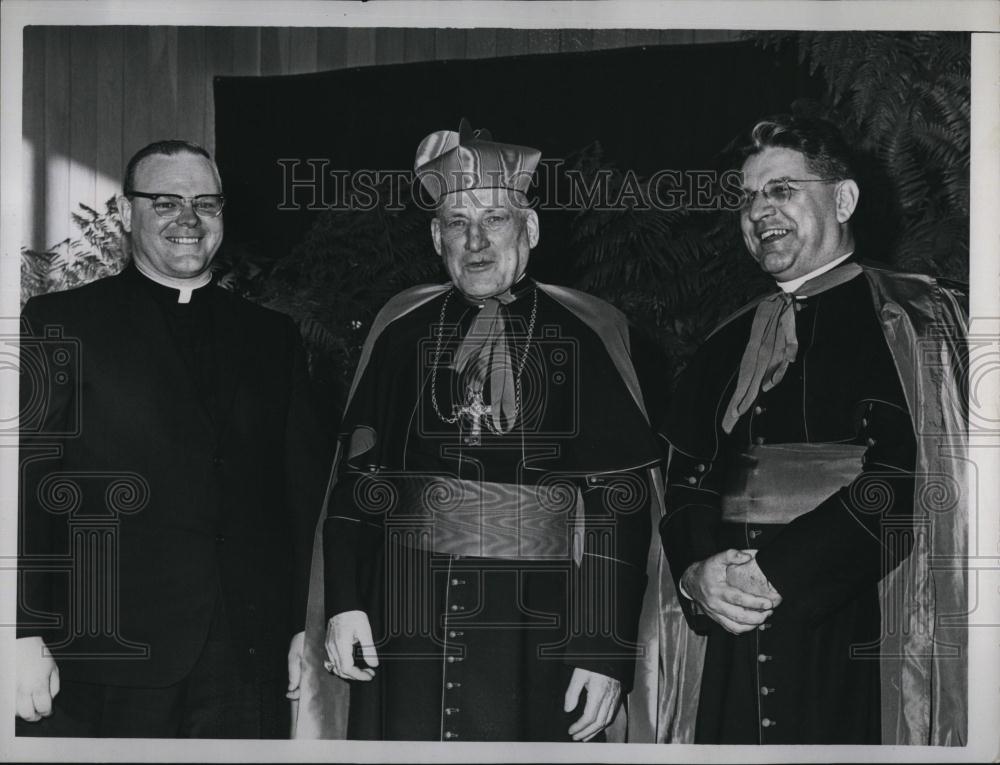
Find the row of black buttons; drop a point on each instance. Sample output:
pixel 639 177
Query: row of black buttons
pixel 765 690
pixel 452 684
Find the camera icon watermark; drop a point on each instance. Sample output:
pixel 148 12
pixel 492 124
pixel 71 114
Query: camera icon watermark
pixel 49 373
pixel 540 373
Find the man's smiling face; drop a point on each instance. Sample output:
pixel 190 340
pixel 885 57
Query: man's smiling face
pixel 484 240
pixel 804 233
pixel 181 247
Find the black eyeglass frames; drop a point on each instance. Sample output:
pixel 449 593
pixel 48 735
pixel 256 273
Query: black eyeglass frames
pixel 171 205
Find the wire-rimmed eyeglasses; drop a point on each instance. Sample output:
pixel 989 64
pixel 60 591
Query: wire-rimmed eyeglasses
pixel 777 191
pixel 171 205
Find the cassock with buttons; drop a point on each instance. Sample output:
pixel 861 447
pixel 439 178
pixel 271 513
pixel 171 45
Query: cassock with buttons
pixel 817 475
pixel 478 634
pixel 490 513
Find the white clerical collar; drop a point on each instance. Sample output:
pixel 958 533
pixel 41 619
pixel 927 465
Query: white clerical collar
pixel 185 287
pixel 794 284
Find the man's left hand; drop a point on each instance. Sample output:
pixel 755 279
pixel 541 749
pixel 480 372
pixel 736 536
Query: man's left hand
pixel 749 578
pixel 295 650
pixel 603 696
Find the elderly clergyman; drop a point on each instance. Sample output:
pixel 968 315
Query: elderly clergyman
pixel 816 443
pixel 486 539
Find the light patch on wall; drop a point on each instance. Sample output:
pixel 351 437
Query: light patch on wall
pixel 52 194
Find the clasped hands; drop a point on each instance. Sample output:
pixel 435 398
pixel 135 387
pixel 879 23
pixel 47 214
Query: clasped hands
pixel 350 628
pixel 732 590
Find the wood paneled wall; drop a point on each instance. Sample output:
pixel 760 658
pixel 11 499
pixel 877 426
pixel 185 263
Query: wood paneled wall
pixel 94 95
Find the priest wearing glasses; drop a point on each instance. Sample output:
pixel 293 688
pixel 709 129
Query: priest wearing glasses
pixel 483 555
pixel 172 472
pixel 814 507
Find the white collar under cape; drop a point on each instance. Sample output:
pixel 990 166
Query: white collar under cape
pixel 794 284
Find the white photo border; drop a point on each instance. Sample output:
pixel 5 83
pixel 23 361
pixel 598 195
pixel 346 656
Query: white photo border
pixel 977 16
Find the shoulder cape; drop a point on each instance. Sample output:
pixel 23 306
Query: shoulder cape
pixel 924 693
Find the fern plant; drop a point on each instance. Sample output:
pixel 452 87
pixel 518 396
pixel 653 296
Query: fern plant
pixel 332 284
pixel 904 100
pixel 674 272
pixel 96 253
pixel 335 281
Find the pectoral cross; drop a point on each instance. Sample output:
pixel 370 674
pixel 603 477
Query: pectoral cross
pixel 474 409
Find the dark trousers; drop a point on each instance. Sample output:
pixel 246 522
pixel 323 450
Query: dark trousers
pixel 212 701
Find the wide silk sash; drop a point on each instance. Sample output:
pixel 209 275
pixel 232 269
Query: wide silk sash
pixel 776 483
pixel 485 520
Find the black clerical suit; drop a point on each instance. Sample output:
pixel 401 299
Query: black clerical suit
pixel 810 674
pixel 172 471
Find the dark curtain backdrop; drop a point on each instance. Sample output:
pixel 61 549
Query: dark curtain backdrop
pixel 672 107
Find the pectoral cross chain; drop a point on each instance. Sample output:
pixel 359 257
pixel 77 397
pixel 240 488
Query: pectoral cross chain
pixel 473 410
